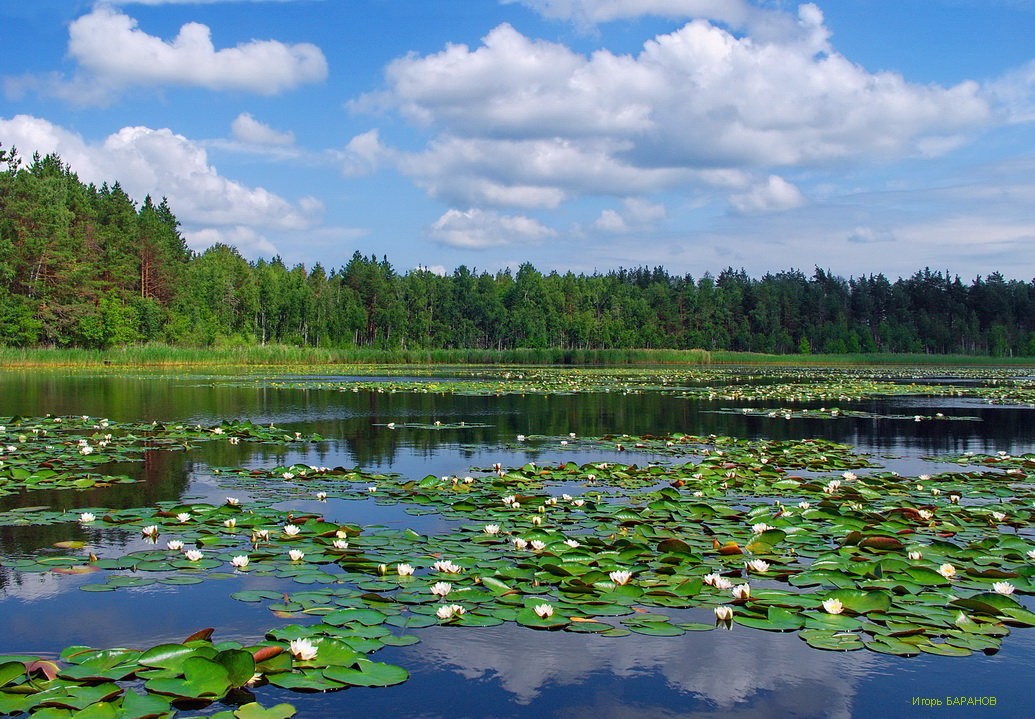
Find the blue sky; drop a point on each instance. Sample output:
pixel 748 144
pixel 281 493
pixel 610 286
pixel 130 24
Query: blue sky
pixel 859 136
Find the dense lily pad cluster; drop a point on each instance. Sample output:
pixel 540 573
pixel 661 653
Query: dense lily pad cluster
pixel 836 413
pixel 70 452
pixel 759 384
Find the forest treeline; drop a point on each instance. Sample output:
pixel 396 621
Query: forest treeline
pixel 87 266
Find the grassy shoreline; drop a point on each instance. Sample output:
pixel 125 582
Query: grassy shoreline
pixel 160 355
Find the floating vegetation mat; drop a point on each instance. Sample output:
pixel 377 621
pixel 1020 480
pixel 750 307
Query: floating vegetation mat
pixel 758 384
pixel 835 413
pixel 71 452
pixel 800 536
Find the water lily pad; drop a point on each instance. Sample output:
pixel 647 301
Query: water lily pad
pixel 368 674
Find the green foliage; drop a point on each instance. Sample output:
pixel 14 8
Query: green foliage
pixel 82 266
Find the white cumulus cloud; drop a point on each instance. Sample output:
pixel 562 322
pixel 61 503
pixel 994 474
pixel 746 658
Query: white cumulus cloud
pixel 113 53
pixel 523 123
pixel 248 240
pixel 772 195
pixel 637 214
pixel 163 163
pixel 247 129
pixel 478 229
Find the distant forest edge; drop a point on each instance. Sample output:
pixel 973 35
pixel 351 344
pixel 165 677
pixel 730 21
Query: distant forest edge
pixel 87 267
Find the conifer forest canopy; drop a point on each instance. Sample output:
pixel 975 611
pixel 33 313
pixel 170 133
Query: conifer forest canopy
pixel 87 266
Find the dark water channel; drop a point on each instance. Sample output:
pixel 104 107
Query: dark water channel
pixel 505 671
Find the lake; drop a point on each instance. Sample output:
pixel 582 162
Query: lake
pixel 508 669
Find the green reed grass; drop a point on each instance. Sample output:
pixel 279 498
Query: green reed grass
pixel 162 355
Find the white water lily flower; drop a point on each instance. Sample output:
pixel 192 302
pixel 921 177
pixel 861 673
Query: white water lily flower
pixel 832 486
pixel 183 517
pixel 543 610
pixel 303 649
pixel 538 545
pixel 232 501
pixel 521 438
pixel 724 613
pixel 572 543
pixel 404 570
pixel 86 517
pixel 291 529
pixel 341 544
pixel 577 502
pixel 240 561
pixel 520 543
pixel 998 516
pixel 230 523
pixel 234 440
pixel 82 450
pixel 1031 554
pixel 758 565
pixel 174 544
pixel 954 498
pixel 742 591
pixel 915 555
pixel 217 430
pixel 150 530
pixel 193 555
pixel 848 476
pixel 341 534
pixel 457 609
pixel 372 489
pixel 295 555
pixel 444 565
pixel 260 535
pixel 833 606
pixel 947 570
pixel 537 521
pixel 491 529
pixel 698 493
pixel 441 589
pixel 760 527
pixel 1003 588
pixel 723 583
pixel 446 611
pixel 804 505
pixel 925 514
pixel 551 502
pixel 620 576
pixel 710 579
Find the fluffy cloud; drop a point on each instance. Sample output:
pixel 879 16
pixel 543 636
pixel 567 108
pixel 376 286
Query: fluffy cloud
pixel 636 214
pixel 249 130
pixel 518 122
pixel 246 239
pixel 162 163
pixel 113 53
pixel 1014 92
pixel 775 194
pixel 478 229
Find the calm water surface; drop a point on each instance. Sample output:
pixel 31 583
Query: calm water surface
pixel 505 671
